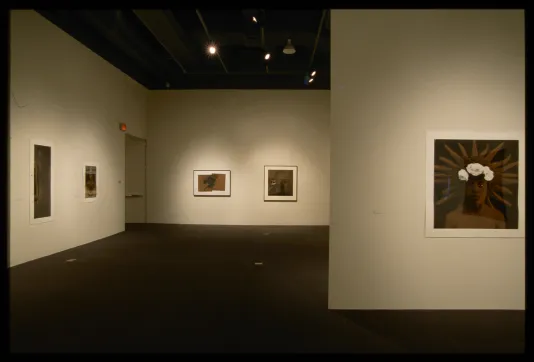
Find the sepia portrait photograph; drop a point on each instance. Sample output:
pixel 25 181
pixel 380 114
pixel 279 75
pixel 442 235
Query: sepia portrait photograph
pixel 211 183
pixel 473 187
pixel 280 183
pixel 90 182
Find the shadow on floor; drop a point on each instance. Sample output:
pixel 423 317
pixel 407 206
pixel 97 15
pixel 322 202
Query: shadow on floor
pixel 447 331
pixel 183 288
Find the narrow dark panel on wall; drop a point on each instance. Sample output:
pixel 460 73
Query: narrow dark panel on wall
pixel 528 146
pixel 4 163
pixel 42 181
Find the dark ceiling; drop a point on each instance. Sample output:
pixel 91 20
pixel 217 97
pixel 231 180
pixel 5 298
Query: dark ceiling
pixel 167 49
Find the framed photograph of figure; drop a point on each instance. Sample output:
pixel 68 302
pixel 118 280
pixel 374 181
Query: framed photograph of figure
pixel 90 181
pixel 211 183
pixel 280 183
pixel 41 182
pixel 475 185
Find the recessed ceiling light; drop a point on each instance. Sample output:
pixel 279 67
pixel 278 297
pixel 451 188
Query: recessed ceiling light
pixel 254 19
pixel 267 56
pixel 212 49
pixel 311 80
pixel 313 73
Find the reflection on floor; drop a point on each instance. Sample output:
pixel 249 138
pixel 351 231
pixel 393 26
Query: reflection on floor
pixel 181 288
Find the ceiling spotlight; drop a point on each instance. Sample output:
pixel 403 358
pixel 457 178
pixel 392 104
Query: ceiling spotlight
pixel 311 80
pixel 289 48
pixel 212 49
pixel 267 56
pixel 254 19
pixel 313 73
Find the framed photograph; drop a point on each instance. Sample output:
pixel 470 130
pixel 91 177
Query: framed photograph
pixel 475 185
pixel 90 181
pixel 211 183
pixel 41 182
pixel 280 183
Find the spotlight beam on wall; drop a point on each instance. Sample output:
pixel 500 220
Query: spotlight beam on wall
pixel 317 37
pixel 209 37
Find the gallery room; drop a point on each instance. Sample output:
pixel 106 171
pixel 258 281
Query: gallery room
pixel 257 180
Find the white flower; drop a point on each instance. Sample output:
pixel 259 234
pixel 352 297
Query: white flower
pixel 488 174
pixel 475 169
pixel 463 175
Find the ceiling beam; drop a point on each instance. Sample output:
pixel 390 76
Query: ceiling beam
pixel 317 38
pixel 73 25
pixel 101 22
pixel 223 74
pixel 111 25
pixel 166 29
pixel 132 36
pixel 249 81
pixel 262 30
pixel 275 39
pixel 210 38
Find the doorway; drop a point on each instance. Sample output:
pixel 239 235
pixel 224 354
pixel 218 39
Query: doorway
pixel 135 180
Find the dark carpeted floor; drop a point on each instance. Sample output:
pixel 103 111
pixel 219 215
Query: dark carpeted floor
pixel 184 288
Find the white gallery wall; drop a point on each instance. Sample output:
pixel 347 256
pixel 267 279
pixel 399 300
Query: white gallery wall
pixel 396 75
pixel 63 93
pixel 241 131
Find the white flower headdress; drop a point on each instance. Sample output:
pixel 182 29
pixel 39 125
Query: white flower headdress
pixel 463 165
pixel 475 169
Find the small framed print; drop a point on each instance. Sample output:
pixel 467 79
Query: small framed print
pixel 211 183
pixel 280 183
pixel 90 182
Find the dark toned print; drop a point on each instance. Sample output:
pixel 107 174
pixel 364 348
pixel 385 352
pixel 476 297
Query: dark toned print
pixel 475 184
pixel 42 181
pixel 90 182
pixel 280 183
pixel 213 182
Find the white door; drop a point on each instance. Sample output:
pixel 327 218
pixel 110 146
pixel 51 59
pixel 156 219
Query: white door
pixel 135 179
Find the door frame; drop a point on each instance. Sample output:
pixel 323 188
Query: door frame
pixel 144 141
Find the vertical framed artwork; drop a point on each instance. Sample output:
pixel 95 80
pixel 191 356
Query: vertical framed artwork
pixel 475 184
pixel 211 183
pixel 280 183
pixel 90 182
pixel 41 182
